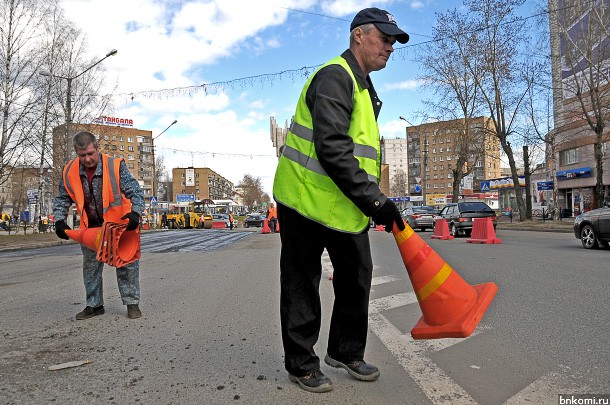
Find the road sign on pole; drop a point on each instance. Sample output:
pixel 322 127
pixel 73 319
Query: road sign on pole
pixel 153 201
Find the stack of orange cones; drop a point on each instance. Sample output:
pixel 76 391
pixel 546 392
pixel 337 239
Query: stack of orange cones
pixel 112 243
pixel 483 232
pixel 451 307
pixel 266 228
pixel 441 230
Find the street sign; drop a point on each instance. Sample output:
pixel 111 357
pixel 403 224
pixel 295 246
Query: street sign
pixel 32 196
pixel 185 198
pixel 153 200
pixel 417 188
pixel 485 186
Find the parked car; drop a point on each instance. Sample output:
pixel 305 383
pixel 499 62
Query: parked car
pixel 460 216
pixel 254 220
pixel 421 217
pixel 593 227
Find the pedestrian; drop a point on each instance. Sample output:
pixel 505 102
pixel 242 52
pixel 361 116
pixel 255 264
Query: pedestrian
pixel 230 221
pixel 272 217
pixel 90 181
pixel 326 187
pixel 164 220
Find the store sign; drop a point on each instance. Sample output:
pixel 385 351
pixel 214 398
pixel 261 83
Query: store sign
pixel 505 182
pixel 574 173
pixel 119 122
pixel 190 177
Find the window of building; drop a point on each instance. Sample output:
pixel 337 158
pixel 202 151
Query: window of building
pixel 448 149
pixel 441 158
pixel 449 175
pixel 435 185
pixel 435 176
pixel 105 137
pixel 130 148
pixel 568 156
pixel 121 147
pixel 122 139
pixel 449 185
pixel 427 186
pixel 130 157
pixel 435 167
pixel 130 139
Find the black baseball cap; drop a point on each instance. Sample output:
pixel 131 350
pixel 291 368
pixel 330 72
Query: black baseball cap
pixel 383 20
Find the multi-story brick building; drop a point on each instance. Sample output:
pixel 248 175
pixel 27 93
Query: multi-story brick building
pixel 116 138
pixel 201 182
pixel 436 143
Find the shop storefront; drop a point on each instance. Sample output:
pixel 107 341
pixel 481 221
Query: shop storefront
pixel 574 200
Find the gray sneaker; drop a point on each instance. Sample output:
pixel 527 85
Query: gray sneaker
pixel 358 369
pixel 314 382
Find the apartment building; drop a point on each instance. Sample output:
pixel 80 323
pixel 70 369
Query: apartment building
pixel 432 149
pixel 573 166
pixel 201 182
pixel 116 137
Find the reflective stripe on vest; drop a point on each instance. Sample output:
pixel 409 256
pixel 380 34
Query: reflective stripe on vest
pixel 300 181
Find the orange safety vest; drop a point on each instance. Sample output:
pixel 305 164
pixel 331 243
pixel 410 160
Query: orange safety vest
pixel 114 203
pixel 272 213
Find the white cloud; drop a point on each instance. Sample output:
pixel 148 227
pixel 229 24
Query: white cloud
pixel 417 5
pixel 405 85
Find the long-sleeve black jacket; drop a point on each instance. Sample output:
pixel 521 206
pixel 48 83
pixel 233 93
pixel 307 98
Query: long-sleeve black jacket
pixel 330 100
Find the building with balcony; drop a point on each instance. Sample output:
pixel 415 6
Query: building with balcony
pixel 202 183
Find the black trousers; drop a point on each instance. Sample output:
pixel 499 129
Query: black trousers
pixel 303 242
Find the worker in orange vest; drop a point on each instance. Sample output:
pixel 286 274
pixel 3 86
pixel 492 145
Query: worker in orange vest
pixel 272 217
pixel 103 189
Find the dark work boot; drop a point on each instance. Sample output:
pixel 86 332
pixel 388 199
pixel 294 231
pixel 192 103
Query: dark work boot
pixel 357 369
pixel 89 312
pixel 314 382
pixel 133 311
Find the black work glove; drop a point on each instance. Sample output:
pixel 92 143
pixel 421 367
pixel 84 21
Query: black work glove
pixel 134 220
pixel 388 215
pixel 60 229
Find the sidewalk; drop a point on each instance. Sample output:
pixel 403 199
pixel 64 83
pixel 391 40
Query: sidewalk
pixel 566 225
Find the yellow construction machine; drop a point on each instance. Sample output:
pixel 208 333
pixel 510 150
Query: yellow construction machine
pixel 194 215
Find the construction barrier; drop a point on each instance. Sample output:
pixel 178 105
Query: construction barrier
pixel 266 228
pixel 379 228
pixel 483 232
pixel 441 230
pixel 112 243
pixel 451 307
pixel 219 225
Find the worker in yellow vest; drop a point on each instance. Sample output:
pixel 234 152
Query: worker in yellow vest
pixel 326 187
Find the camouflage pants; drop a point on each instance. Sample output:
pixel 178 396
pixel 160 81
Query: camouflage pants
pixel 128 279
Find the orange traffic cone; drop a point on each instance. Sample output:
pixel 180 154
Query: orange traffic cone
pixel 441 230
pixel 112 243
pixel 483 232
pixel 89 237
pixel 266 228
pixel 451 307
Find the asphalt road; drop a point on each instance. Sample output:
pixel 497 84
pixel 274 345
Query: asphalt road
pixel 210 326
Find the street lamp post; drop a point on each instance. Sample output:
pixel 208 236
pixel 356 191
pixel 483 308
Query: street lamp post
pixel 69 98
pixel 155 184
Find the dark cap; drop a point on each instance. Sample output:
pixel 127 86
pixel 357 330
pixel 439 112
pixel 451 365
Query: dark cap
pixel 383 20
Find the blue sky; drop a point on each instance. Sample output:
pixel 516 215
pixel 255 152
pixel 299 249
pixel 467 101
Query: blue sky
pixel 180 44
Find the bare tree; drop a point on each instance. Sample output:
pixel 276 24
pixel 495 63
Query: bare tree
pixel 585 42
pixel 450 71
pixel 253 189
pixel 400 183
pixel 19 59
pixel 491 56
